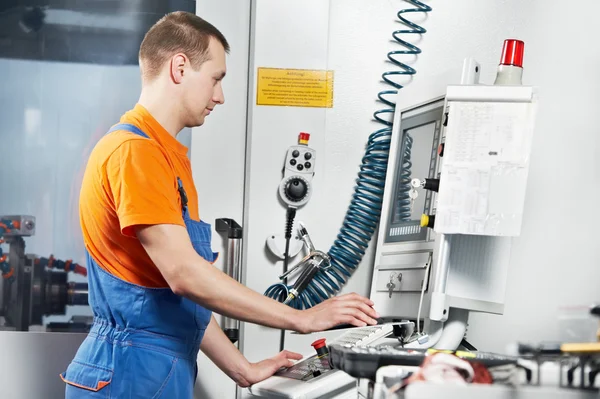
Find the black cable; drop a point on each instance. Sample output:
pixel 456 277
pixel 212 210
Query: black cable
pixel 290 216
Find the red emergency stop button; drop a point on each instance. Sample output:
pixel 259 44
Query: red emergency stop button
pixel 320 347
pixel 318 344
pixel 303 138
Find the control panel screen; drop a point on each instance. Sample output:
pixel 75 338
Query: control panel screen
pixel 417 159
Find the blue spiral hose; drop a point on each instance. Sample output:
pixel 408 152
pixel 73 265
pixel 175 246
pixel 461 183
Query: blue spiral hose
pixel 364 211
pixel 403 208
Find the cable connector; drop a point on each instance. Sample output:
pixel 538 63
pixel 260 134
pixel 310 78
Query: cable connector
pixel 314 262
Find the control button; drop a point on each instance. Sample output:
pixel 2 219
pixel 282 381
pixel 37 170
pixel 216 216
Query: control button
pixel 295 153
pixel 292 162
pixel 307 156
pixel 307 165
pixel 428 221
pixel 440 150
pixel 320 347
pixel 300 167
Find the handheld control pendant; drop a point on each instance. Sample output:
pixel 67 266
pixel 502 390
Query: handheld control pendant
pixel 295 187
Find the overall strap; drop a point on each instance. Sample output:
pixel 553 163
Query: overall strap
pixel 136 130
pixel 128 128
pixel 182 195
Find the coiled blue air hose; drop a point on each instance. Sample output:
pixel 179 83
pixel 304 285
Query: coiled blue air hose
pixel 403 208
pixel 364 212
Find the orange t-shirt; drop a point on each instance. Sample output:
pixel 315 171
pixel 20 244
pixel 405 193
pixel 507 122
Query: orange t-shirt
pixel 131 180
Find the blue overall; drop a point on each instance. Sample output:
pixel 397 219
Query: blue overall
pixel 144 341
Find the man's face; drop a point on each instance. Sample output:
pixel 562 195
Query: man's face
pixel 202 89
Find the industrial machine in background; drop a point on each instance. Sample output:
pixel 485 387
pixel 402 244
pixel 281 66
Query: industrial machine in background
pixel 33 287
pixel 97 31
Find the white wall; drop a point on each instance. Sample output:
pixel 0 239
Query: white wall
pixel 218 156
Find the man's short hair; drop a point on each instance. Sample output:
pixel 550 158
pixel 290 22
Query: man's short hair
pixel 177 32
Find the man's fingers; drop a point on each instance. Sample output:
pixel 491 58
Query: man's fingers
pixel 291 355
pixel 353 321
pixel 355 297
pixel 367 310
pixel 357 314
pixel 362 307
pixel 282 361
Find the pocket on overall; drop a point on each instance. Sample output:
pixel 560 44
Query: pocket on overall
pixel 200 235
pixel 147 371
pixel 87 381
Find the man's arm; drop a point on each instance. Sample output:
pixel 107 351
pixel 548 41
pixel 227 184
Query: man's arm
pixel 189 275
pixel 228 358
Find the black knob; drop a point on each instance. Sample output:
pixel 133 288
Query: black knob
pixel 432 185
pixel 292 162
pixel 307 165
pixel 307 156
pixel 300 167
pixel 296 189
pixel 295 153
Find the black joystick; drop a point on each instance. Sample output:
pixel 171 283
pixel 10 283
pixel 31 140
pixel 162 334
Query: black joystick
pixel 296 189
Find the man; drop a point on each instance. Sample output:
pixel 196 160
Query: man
pixel 152 286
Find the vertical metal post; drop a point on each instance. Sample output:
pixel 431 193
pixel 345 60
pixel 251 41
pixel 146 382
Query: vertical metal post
pixel 233 267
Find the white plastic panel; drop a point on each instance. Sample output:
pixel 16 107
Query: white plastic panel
pixel 486 162
pixel 478 268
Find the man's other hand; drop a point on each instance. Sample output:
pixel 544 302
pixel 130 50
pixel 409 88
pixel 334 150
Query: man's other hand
pixel 262 370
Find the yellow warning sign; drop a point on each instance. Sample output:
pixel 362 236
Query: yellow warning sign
pixel 295 87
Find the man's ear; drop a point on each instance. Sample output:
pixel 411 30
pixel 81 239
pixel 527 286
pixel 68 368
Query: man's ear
pixel 178 64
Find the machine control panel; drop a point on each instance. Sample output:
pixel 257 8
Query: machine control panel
pixel 311 367
pixel 307 369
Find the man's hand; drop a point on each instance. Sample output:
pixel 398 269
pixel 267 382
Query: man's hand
pixel 346 309
pixel 262 370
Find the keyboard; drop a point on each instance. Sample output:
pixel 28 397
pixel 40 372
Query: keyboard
pixel 360 336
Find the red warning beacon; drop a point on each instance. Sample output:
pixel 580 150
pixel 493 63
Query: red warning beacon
pixel 510 70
